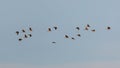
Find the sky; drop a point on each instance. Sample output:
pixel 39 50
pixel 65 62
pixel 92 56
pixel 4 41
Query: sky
pixel 98 49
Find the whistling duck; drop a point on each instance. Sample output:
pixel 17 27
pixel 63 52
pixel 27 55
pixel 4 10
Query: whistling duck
pixel 23 30
pixel 49 29
pixel 93 30
pixel 20 39
pixel 30 29
pixel 17 32
pixel 55 28
pixel 77 28
pixel 66 36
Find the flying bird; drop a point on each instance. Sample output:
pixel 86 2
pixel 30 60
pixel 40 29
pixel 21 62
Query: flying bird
pixel 88 25
pixel 108 28
pixel 77 28
pixel 53 42
pixel 72 38
pixel 30 35
pixel 17 32
pixel 30 29
pixel 66 36
pixel 93 30
pixel 23 30
pixel 55 28
pixel 20 39
pixel 25 36
pixel 78 35
pixel 49 29
pixel 86 28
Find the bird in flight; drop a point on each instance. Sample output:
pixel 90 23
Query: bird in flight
pixel 30 28
pixel 30 35
pixel 66 36
pixel 108 28
pixel 23 30
pixel 49 29
pixel 77 28
pixel 86 28
pixel 25 36
pixel 17 32
pixel 93 30
pixel 20 39
pixel 72 38
pixel 55 27
pixel 78 35
pixel 53 42
pixel 88 25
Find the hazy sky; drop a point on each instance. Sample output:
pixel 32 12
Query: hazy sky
pixel 93 50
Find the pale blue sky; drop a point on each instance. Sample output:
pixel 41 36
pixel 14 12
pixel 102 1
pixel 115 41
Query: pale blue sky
pixel 98 47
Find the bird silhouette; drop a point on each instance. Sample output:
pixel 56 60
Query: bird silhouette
pixel 23 30
pixel 25 36
pixel 77 28
pixel 88 25
pixel 108 28
pixel 53 42
pixel 30 28
pixel 20 39
pixel 93 30
pixel 86 28
pixel 78 35
pixel 55 27
pixel 49 29
pixel 30 35
pixel 17 32
pixel 66 36
pixel 72 38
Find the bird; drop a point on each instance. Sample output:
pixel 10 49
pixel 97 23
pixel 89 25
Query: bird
pixel 49 29
pixel 30 35
pixel 17 32
pixel 55 27
pixel 108 28
pixel 23 30
pixel 86 28
pixel 53 42
pixel 66 36
pixel 88 25
pixel 20 39
pixel 93 30
pixel 77 28
pixel 72 38
pixel 25 36
pixel 30 28
pixel 78 35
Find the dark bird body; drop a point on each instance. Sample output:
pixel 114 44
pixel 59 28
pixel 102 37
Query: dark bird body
pixel 20 39
pixel 66 36
pixel 17 32
pixel 86 28
pixel 108 28
pixel 30 29
pixel 72 38
pixel 78 35
pixel 93 30
pixel 55 28
pixel 77 28
pixel 53 42
pixel 30 35
pixel 49 29
pixel 88 25
pixel 25 36
pixel 23 31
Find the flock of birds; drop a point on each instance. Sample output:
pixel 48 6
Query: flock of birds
pixel 87 27
pixel 27 35
pixel 24 34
